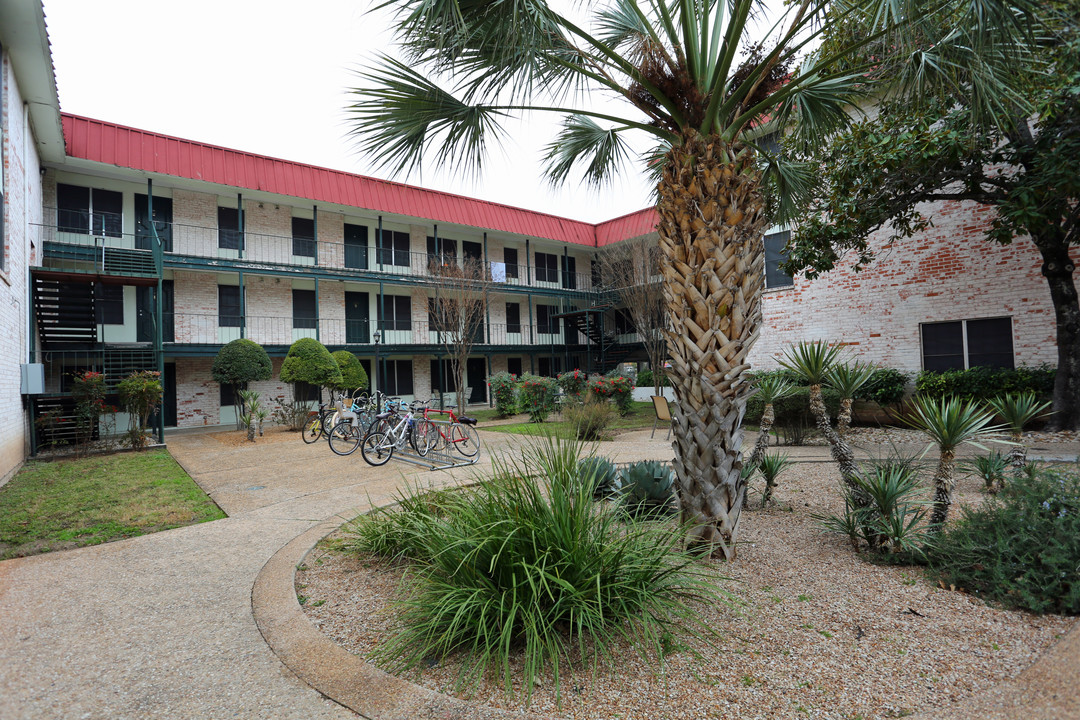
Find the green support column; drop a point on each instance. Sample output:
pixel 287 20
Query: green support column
pixel 243 306
pixel 491 398
pixel 317 336
pixel 240 223
pixel 531 326
pixel 378 245
pixel 315 232
pixel 528 276
pixel 378 328
pixel 159 269
pixel 487 305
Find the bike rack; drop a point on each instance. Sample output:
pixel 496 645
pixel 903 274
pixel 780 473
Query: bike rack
pixel 441 457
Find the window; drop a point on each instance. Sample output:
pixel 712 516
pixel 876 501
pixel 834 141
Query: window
pixel 441 251
pixel 398 378
pixel 963 344
pixel 303 237
pixel 109 303
pixel 229 311
pixel 472 251
pixel 513 366
pixel 356 246
pixel 144 234
pixel 227 394
pixel 547 267
pixel 394 248
pixel 87 211
pixel 513 317
pixel 230 237
pixel 569 272
pixel 397 313
pixel 305 392
pixel 545 323
pixel 510 257
pixel 774 255
pixel 303 309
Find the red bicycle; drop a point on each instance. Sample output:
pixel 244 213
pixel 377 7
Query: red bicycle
pixel 456 431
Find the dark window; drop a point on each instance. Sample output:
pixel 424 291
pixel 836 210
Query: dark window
pixel 472 250
pixel 228 394
pixel 548 366
pixel 442 251
pixel 303 309
pixel 89 211
pixel 109 301
pixel 445 382
pixel 569 280
pixel 510 257
pixel 303 237
pixel 229 235
pixel 305 392
pixel 774 255
pixel 394 248
pixel 513 317
pixel 545 323
pixel 547 267
pixel 229 314
pixel 962 344
pixel 397 312
pixel 356 246
pixel 398 377
pixel 513 366
pixel 144 234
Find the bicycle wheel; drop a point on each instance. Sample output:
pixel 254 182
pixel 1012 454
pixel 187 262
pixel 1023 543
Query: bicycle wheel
pixel 312 430
pixel 425 437
pixel 345 438
pixel 376 448
pixel 465 439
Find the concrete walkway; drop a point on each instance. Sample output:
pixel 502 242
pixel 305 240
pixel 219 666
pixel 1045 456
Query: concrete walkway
pixel 163 625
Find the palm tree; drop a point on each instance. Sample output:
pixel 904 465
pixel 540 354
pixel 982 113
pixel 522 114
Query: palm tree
pixel 1017 410
pixel 675 65
pixel 847 379
pixel 950 423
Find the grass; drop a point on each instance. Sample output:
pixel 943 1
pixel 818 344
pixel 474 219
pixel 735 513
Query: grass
pixel 641 415
pixel 74 503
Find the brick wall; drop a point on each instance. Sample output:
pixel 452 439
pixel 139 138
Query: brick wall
pixel 194 221
pixel 21 209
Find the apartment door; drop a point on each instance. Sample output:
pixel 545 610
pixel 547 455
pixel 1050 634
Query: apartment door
pixel 357 318
pixel 476 377
pixel 145 312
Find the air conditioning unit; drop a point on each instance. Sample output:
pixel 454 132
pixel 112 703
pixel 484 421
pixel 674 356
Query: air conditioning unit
pixel 33 378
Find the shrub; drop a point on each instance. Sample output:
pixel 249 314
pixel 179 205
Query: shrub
pixel 990 468
pixel 1020 548
pixel 290 413
pixel 573 383
pixel 525 564
pixel 537 396
pixel 504 390
pixel 618 388
pixel 600 474
pixel 645 379
pixel 590 419
pixel 885 387
pixel 88 391
pixel 353 376
pixel 139 392
pixel 983 383
pixel 309 361
pixel 240 362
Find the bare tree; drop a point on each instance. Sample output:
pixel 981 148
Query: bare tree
pixel 632 271
pixel 456 313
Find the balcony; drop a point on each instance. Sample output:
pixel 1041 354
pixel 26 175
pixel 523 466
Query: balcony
pixel 129 254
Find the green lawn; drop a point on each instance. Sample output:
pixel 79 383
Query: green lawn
pixel 641 416
pixel 71 503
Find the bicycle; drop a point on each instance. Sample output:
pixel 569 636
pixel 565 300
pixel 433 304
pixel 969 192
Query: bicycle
pixel 317 424
pixel 348 429
pixel 384 436
pixel 460 433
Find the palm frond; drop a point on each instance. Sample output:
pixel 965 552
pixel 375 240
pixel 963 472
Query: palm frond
pixel 822 105
pixel 949 422
pixel 582 140
pixel 1017 409
pixel 811 360
pixel 848 378
pixel 791 183
pixel 402 113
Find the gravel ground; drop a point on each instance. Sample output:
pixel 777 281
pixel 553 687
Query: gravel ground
pixel 818 631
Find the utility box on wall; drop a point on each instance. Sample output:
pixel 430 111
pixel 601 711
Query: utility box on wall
pixel 33 378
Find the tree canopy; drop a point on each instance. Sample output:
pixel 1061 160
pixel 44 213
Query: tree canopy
pixel 240 362
pixel 309 361
pixel 353 377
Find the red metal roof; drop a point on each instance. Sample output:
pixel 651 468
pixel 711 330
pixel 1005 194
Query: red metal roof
pixel 635 224
pixel 127 147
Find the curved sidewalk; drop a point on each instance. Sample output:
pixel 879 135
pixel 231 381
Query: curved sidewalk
pixel 162 625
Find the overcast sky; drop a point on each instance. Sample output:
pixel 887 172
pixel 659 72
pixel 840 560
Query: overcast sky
pixel 270 77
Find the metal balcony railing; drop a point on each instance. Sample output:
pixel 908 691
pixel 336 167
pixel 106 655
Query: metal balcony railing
pixel 72 247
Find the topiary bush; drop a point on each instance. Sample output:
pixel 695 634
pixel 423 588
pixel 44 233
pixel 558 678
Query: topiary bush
pixel 983 383
pixel 140 393
pixel 353 376
pixel 1020 548
pixel 309 361
pixel 504 390
pixel 240 362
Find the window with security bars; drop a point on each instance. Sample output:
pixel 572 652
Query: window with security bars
pixel 775 254
pixel 513 317
pixel 229 313
pixel 962 344
pixel 546 323
pixel 229 235
pixel 510 257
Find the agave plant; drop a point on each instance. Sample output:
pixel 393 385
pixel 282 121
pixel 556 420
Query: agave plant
pixel 648 486
pixel 1017 410
pixel 813 361
pixel 847 379
pixel 949 422
pixel 601 474
pixel 770 467
pixel 991 468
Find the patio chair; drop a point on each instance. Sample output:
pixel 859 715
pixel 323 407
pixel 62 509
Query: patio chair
pixel 663 412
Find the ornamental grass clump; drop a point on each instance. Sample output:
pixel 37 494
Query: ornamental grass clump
pixel 591 419
pixel 526 566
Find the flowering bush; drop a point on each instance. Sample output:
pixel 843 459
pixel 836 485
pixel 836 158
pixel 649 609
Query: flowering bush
pixel 140 392
pixel 573 384
pixel 504 390
pixel 619 389
pixel 537 396
pixel 88 391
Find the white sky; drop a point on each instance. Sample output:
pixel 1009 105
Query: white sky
pixel 270 77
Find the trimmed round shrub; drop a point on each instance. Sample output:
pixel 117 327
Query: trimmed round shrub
pixel 353 376
pixel 309 361
pixel 240 362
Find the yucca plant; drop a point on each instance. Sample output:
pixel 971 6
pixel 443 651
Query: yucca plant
pixel 769 389
pixel 771 466
pixel 1016 410
pixel 893 519
pixel 950 423
pixel 991 468
pixel 813 361
pixel 847 379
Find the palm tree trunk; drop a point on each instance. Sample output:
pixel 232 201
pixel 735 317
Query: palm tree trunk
pixel 843 418
pixel 943 487
pixel 712 256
